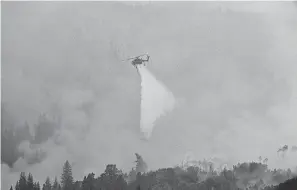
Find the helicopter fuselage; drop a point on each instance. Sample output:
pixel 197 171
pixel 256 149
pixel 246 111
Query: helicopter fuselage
pixel 138 62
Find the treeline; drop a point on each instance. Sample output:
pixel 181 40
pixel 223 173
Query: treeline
pixel 242 176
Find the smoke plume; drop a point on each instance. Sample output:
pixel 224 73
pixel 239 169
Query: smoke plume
pixel 62 59
pixel 141 165
pixel 156 100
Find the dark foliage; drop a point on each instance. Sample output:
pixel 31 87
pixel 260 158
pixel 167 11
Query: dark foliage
pixel 290 184
pixel 177 178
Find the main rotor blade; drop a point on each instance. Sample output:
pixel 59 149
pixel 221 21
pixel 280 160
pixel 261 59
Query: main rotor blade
pixel 134 57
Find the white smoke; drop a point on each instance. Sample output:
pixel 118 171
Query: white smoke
pixel 156 100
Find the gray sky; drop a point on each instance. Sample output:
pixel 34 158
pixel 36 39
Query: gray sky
pixel 235 71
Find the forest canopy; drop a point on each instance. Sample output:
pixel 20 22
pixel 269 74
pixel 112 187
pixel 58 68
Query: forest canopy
pixel 251 176
pixel 66 94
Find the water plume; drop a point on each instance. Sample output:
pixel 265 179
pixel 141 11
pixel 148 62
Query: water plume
pixel 156 100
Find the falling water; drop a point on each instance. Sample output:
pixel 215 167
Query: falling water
pixel 156 100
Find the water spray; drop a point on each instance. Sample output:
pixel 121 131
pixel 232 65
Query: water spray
pixel 156 99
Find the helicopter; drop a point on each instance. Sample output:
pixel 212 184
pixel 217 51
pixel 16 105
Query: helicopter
pixel 138 60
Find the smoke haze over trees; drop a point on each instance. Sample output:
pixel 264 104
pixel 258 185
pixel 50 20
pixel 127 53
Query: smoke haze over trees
pixel 251 176
pixel 67 96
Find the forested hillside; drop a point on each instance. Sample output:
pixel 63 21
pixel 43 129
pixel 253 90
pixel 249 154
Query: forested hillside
pixel 66 94
pixel 251 176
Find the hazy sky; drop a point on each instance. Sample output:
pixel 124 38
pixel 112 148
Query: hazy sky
pixel 233 65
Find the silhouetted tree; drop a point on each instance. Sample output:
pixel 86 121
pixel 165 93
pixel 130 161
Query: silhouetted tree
pixel 17 186
pixel 66 178
pixel 55 184
pixel 111 179
pixel 36 186
pixel 30 182
pixel 190 178
pixel 23 181
pixel 89 182
pixel 47 185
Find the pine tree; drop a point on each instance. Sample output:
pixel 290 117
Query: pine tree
pixel 89 182
pixel 37 186
pixel 11 188
pixel 34 186
pixel 23 181
pixel 66 178
pixel 30 182
pixel 56 184
pixel 84 183
pixel 47 185
pixel 17 186
pixel 112 178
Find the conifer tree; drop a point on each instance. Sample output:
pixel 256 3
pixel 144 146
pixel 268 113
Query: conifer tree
pixel 88 182
pixel 34 186
pixel 37 186
pixel 30 182
pixel 17 186
pixel 66 178
pixel 47 185
pixel 55 184
pixel 23 181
